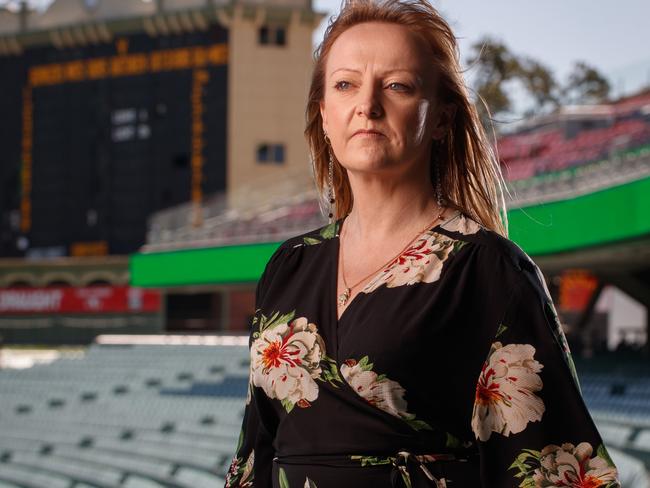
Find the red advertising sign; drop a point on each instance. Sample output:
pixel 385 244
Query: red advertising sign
pixel 576 288
pixel 92 299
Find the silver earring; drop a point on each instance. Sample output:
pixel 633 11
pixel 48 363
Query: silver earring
pixel 438 183
pixel 330 186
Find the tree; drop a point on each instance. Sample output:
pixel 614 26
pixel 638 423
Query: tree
pixel 497 65
pixel 540 85
pixel 585 85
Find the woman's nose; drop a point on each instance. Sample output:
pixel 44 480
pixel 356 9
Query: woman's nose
pixel 368 103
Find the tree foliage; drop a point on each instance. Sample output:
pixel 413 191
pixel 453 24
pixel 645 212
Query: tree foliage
pixel 496 66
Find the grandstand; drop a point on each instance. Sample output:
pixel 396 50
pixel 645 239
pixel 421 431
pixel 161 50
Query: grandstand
pixel 575 151
pixel 165 411
pixel 616 388
pixel 124 415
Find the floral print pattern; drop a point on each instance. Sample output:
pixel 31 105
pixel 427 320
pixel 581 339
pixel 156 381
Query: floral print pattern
pixel 287 357
pixel 327 232
pixel 309 483
pixel 398 463
pixel 420 262
pixel 462 224
pixel 291 363
pixel 566 465
pixel 238 475
pixel 423 260
pixel 283 481
pixel 505 400
pixel 378 390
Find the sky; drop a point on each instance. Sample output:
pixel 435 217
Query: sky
pixel 614 37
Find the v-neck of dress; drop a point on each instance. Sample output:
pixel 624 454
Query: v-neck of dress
pixel 335 267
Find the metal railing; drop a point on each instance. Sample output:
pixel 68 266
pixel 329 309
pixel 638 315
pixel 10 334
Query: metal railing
pixel 274 210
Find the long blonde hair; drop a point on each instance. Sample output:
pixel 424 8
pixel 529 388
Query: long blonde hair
pixel 470 173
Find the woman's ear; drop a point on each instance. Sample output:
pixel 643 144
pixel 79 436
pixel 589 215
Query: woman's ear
pixel 322 115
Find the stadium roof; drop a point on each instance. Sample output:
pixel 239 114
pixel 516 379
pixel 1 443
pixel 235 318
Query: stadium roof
pixel 79 22
pixel 639 101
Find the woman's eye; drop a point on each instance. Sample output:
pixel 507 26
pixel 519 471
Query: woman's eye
pixel 403 87
pixel 343 85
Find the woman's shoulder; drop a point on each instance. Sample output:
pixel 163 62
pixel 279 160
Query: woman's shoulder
pixel 494 258
pixel 311 237
pixel 492 245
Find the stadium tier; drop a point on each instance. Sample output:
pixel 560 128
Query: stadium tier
pixel 152 415
pixel 124 416
pixel 616 388
pixel 575 151
pixel 574 137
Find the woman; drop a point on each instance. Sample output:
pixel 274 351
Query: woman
pixel 408 342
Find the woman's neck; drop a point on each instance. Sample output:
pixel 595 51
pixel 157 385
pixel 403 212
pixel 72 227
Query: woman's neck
pixel 368 223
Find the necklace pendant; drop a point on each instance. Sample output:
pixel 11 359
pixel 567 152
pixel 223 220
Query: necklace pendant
pixel 343 297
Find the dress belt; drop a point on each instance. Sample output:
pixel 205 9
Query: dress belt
pixel 404 464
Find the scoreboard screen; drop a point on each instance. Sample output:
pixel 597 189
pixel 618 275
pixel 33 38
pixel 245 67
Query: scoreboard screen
pixel 94 139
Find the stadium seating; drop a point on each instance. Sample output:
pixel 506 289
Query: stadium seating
pixel 124 416
pixel 541 164
pixel 143 416
pixel 549 150
pixel 616 390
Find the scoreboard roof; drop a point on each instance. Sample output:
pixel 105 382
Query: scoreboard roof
pixel 80 22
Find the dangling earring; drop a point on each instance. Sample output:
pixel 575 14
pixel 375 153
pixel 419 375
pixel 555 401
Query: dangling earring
pixel 438 182
pixel 330 187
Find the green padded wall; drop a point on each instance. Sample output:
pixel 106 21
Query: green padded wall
pixel 608 215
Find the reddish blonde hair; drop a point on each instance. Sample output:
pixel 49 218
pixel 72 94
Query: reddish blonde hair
pixel 469 169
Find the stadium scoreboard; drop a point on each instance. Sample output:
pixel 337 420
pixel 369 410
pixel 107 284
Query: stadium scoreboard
pixel 94 139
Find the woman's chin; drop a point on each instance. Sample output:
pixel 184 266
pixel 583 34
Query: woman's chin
pixel 370 163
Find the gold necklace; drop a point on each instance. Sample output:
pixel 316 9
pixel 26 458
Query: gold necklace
pixel 343 297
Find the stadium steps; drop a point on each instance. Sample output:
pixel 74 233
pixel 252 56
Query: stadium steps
pixel 6 484
pixel 127 463
pixel 98 476
pixel 77 433
pixel 106 472
pixel 130 417
pixel 28 478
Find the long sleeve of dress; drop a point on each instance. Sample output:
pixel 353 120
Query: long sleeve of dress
pixel 251 466
pixel 531 423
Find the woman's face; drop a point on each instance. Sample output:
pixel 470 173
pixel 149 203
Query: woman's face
pixel 378 77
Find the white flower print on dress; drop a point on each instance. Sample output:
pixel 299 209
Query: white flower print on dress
pixel 378 390
pixel 505 400
pixel 420 262
pixel 286 358
pixel 566 465
pixel 462 224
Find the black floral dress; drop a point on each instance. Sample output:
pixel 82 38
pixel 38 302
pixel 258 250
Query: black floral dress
pixel 449 369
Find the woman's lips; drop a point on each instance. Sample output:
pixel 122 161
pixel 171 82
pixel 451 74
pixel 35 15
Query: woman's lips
pixel 369 134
